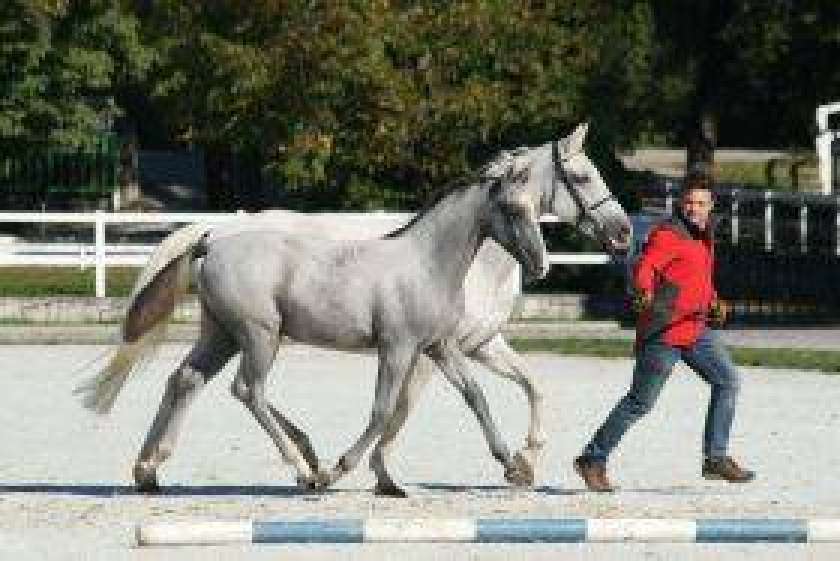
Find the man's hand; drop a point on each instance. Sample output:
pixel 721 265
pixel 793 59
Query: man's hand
pixel 718 313
pixel 641 301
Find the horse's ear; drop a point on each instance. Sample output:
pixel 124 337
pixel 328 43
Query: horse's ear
pixel 573 143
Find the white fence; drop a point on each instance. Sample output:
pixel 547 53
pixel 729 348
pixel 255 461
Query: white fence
pixel 102 255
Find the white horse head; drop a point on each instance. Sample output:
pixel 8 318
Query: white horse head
pixel 514 220
pixel 573 190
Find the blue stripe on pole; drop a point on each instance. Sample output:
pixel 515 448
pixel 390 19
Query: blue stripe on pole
pixel 532 530
pixel 743 530
pixel 536 530
pixel 318 531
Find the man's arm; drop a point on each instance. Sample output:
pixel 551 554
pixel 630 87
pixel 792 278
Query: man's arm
pixel 658 252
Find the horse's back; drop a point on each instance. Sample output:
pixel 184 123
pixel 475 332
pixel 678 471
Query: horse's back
pixel 327 226
pixel 320 291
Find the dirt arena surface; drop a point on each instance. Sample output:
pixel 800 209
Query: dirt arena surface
pixel 65 487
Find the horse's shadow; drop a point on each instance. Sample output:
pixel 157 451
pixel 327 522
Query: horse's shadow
pixel 99 490
pixel 291 491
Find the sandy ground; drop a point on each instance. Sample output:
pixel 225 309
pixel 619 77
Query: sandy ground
pixel 65 488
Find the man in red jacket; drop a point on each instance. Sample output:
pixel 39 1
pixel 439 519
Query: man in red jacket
pixel 676 300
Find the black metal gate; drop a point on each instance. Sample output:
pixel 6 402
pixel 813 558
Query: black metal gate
pixel 835 165
pixel 778 253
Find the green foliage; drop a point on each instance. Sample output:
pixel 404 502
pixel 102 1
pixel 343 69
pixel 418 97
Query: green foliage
pixel 62 62
pixel 373 103
pixel 401 97
pixel 760 68
pixel 784 64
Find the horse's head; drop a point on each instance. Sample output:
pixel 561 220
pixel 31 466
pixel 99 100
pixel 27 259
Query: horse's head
pixel 514 219
pixel 574 191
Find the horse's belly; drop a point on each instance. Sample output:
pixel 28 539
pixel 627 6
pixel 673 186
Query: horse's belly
pixel 329 319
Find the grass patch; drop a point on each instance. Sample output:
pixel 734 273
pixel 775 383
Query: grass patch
pixel 755 174
pixel 64 281
pixel 608 348
pixel 798 359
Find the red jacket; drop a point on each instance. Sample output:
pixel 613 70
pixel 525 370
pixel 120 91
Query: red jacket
pixel 676 269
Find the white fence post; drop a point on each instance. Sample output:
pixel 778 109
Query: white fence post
pixel 837 227
pixel 733 218
pixel 99 239
pixel 825 138
pixel 803 227
pixel 768 220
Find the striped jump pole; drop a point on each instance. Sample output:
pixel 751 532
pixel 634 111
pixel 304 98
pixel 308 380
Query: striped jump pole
pixel 492 530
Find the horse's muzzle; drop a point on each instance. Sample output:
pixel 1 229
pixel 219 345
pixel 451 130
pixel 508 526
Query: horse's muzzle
pixel 536 268
pixel 620 244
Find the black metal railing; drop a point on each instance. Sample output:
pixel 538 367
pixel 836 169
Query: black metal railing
pixel 778 253
pixel 34 175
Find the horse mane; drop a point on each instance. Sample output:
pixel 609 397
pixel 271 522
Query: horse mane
pixel 490 173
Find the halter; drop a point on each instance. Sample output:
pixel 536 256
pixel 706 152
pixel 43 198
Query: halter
pixel 586 210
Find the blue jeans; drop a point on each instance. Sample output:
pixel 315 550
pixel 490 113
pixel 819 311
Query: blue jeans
pixel 654 363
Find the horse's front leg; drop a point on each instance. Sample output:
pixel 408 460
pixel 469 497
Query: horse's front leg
pixel 412 387
pixel 455 367
pixel 502 360
pixel 395 361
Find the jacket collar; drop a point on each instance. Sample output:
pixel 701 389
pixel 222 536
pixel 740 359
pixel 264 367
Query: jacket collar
pixel 682 225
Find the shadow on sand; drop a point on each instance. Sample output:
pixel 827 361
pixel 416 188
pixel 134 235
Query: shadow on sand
pixel 99 490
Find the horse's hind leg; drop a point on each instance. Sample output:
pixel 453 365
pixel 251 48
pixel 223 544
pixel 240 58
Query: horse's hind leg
pixel 207 357
pixel 259 346
pixel 497 355
pixel 411 389
pixel 298 436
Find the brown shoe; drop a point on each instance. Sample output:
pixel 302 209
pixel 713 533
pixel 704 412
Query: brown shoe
pixel 594 474
pixel 727 469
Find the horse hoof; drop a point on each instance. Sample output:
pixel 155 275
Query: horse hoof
pixel 145 480
pixel 521 472
pixel 148 488
pixel 318 481
pixel 531 454
pixel 312 483
pixel 147 485
pixel 313 463
pixel 390 491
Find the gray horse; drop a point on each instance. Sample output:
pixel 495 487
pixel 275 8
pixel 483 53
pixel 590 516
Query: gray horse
pixel 401 295
pixel 570 187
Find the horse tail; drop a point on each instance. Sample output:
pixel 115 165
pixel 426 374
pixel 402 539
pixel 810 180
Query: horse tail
pixel 161 285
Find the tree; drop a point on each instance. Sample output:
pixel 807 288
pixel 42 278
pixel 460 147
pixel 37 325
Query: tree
pixel 62 62
pixel 744 73
pixel 786 57
pixel 358 97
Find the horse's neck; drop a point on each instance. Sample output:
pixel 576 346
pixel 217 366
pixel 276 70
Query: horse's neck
pixel 450 233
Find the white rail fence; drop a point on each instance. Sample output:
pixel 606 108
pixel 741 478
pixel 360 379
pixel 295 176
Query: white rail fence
pixel 100 255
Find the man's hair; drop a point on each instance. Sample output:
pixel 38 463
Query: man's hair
pixel 696 183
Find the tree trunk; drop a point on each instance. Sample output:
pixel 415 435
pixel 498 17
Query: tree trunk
pixel 702 141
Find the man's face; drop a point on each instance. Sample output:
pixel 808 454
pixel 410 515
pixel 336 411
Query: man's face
pixel 696 206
